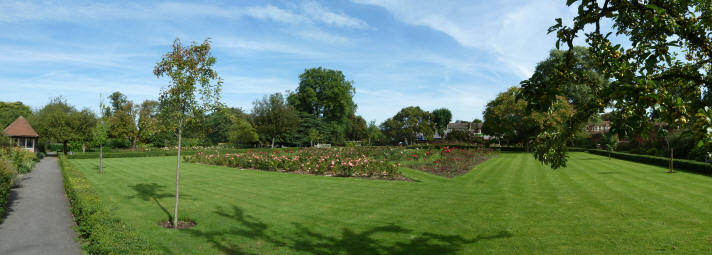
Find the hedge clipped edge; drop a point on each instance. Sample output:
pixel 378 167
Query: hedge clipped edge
pixel 101 233
pixel 678 164
pixel 138 154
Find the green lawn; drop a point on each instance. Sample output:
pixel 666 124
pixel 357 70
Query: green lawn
pixel 508 205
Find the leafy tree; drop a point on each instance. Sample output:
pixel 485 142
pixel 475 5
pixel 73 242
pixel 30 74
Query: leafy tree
pixel 242 132
pixel 441 117
pixel 55 123
pixel 645 76
pixel 187 67
pixel 314 136
pixel 5 141
pixel 407 123
pixel 274 118
pixel 83 123
pixel 477 121
pixel 326 95
pixel 218 124
pixel 148 121
pixel 122 118
pixel 506 118
pixel 611 142
pixel 9 112
pixel 373 133
pixel 356 128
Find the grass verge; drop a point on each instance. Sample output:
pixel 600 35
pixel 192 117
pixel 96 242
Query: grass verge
pixel 510 204
pixel 101 232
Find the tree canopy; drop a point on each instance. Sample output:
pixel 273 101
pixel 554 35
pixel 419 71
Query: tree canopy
pixel 667 68
pixel 441 117
pixel 183 100
pixel 9 112
pixel 274 118
pixel 408 123
pixel 326 95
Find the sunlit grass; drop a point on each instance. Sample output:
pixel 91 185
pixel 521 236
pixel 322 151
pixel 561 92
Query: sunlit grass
pixel 508 205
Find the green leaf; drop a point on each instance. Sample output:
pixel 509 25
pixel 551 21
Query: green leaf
pixel 570 2
pixel 656 8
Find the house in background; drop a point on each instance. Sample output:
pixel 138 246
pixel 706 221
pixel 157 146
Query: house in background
pixel 598 128
pixel 22 134
pixel 474 128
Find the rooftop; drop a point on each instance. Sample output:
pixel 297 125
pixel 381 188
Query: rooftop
pixel 20 127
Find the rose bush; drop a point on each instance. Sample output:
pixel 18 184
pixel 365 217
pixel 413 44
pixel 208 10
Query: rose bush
pixel 453 161
pixel 352 161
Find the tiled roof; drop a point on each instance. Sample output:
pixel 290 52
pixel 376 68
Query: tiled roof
pixel 20 127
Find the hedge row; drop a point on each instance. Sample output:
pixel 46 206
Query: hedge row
pixel 136 154
pixel 440 146
pixel 13 161
pixel 100 231
pixel 7 174
pixel 678 164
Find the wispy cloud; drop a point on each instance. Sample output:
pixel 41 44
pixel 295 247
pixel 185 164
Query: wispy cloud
pixel 514 31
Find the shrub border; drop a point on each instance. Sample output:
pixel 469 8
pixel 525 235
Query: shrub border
pixel 100 232
pixel 679 164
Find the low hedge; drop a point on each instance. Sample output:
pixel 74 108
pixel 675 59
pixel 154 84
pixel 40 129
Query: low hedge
pixel 100 232
pixel 7 174
pixel 128 154
pixel 137 154
pixel 678 164
pixel 440 146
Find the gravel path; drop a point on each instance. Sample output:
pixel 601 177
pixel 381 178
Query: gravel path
pixel 38 220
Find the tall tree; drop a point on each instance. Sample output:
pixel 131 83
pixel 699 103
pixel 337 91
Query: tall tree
pixel 122 118
pixel 506 118
pixel 373 133
pixel 187 67
pixel 55 123
pixel 641 77
pixel 273 117
pixel 242 132
pixel 441 117
pixel 148 122
pixel 83 123
pixel 326 95
pixel 219 124
pixel 356 129
pixel 408 123
pixel 9 112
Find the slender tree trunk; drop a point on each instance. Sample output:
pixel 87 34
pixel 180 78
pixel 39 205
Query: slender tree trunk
pixel 101 157
pixel 272 142
pixel 175 211
pixel 65 147
pixel 671 161
pixel 84 147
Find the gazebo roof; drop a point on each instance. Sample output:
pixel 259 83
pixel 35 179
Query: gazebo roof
pixel 20 127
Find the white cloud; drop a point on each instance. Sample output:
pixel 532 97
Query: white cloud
pixel 515 32
pixel 334 18
pixel 319 35
pixel 232 42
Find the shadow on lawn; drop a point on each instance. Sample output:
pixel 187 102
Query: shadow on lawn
pixel 153 191
pixel 350 242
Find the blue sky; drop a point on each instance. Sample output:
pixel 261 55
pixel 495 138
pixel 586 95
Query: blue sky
pixel 453 54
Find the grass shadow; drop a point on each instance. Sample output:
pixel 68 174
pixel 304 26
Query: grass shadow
pixel 154 191
pixel 349 242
